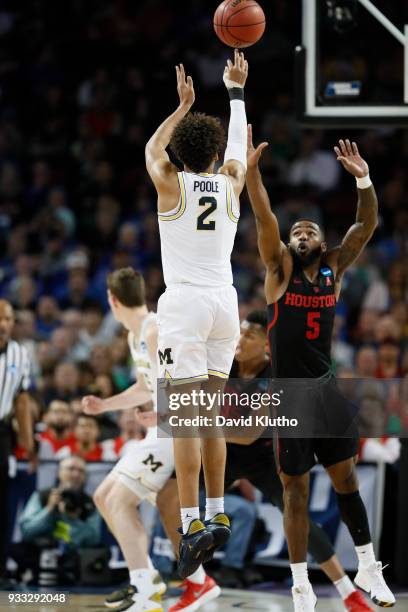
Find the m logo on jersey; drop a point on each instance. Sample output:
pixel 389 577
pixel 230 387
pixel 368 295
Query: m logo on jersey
pixel 151 462
pixel 165 356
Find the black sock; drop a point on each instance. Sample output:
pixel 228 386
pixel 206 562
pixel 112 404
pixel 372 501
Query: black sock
pixel 354 516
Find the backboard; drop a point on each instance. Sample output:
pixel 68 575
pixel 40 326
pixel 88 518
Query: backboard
pixel 352 66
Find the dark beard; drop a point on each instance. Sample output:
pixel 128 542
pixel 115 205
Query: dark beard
pixel 60 428
pixel 307 260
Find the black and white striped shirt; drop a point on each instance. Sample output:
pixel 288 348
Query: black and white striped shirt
pixel 14 375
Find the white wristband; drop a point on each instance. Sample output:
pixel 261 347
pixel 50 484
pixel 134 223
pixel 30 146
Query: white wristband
pixel 364 182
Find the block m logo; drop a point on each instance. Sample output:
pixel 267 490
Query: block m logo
pixel 154 465
pixel 165 356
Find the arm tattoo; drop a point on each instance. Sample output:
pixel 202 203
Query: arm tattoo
pixel 360 233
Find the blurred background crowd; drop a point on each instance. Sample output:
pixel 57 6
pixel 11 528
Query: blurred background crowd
pixel 83 84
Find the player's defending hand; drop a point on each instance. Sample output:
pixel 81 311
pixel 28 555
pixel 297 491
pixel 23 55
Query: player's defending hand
pixel 235 74
pixel 92 404
pixel 350 158
pixel 185 88
pixel 253 155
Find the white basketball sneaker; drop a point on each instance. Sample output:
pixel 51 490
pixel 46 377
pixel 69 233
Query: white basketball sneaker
pixel 371 581
pixel 304 599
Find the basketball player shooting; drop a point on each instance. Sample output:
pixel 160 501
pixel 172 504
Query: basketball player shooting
pixel 302 285
pixel 198 319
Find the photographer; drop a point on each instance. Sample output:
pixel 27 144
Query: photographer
pixel 63 514
pixel 55 525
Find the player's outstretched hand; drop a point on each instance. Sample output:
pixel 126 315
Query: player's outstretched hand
pixel 350 158
pixel 92 404
pixel 235 74
pixel 185 88
pixel 253 155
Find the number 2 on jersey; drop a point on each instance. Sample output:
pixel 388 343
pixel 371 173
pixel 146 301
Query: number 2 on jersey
pixel 313 325
pixel 202 222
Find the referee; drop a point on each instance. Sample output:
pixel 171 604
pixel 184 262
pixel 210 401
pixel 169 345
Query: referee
pixel 14 401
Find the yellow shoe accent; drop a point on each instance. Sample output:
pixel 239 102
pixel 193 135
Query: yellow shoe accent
pixel 222 519
pixel 195 527
pixel 157 597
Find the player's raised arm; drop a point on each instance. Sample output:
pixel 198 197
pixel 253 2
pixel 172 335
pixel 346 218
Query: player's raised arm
pixel 158 163
pixel 367 209
pixel 271 248
pixel 235 158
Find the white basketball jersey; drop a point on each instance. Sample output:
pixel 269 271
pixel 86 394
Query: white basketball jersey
pixel 144 364
pixel 197 236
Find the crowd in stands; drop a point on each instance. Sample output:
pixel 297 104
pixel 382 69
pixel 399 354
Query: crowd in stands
pixel 82 89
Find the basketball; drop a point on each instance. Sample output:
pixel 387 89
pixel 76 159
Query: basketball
pixel 239 23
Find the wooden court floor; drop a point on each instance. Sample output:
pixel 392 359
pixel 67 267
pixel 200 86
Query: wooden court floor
pixel 229 601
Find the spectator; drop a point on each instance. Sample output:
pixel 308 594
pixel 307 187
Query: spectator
pixel 381 295
pixel 387 327
pixel 314 166
pixel 48 316
pixel 62 343
pixel 63 516
pixel 91 332
pixel 388 359
pixel 58 440
pixel 366 362
pixel 68 503
pixel 101 359
pixel 72 320
pixel 364 333
pixel 66 381
pixel 77 292
pixel 86 439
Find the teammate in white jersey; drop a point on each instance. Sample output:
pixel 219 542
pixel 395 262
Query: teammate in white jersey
pixel 143 471
pixel 198 319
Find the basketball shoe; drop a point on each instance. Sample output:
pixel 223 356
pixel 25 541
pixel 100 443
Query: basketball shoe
pixel 196 595
pixel 371 580
pixel 220 528
pixel 355 602
pixel 116 598
pixel 304 599
pixel 193 547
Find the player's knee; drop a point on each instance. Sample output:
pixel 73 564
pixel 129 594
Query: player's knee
pixel 100 495
pixel 345 480
pixel 296 493
pixel 117 499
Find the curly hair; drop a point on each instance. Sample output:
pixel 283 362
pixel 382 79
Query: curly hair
pixel 197 139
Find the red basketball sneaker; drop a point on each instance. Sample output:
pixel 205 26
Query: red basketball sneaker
pixel 196 595
pixel 356 603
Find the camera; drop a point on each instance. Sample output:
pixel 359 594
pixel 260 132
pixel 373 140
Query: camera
pixel 73 500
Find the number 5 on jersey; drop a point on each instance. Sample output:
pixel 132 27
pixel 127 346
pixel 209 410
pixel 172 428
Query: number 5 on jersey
pixel 313 325
pixel 202 222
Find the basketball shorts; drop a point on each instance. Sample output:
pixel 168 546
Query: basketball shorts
pixel 146 467
pixel 328 428
pixel 198 332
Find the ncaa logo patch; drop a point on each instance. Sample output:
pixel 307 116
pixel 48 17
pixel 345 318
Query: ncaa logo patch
pixel 326 271
pixel 12 368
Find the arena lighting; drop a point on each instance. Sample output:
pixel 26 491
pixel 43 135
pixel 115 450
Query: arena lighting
pixel 342 14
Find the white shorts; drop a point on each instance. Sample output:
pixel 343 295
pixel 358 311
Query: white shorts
pixel 146 467
pixel 198 332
